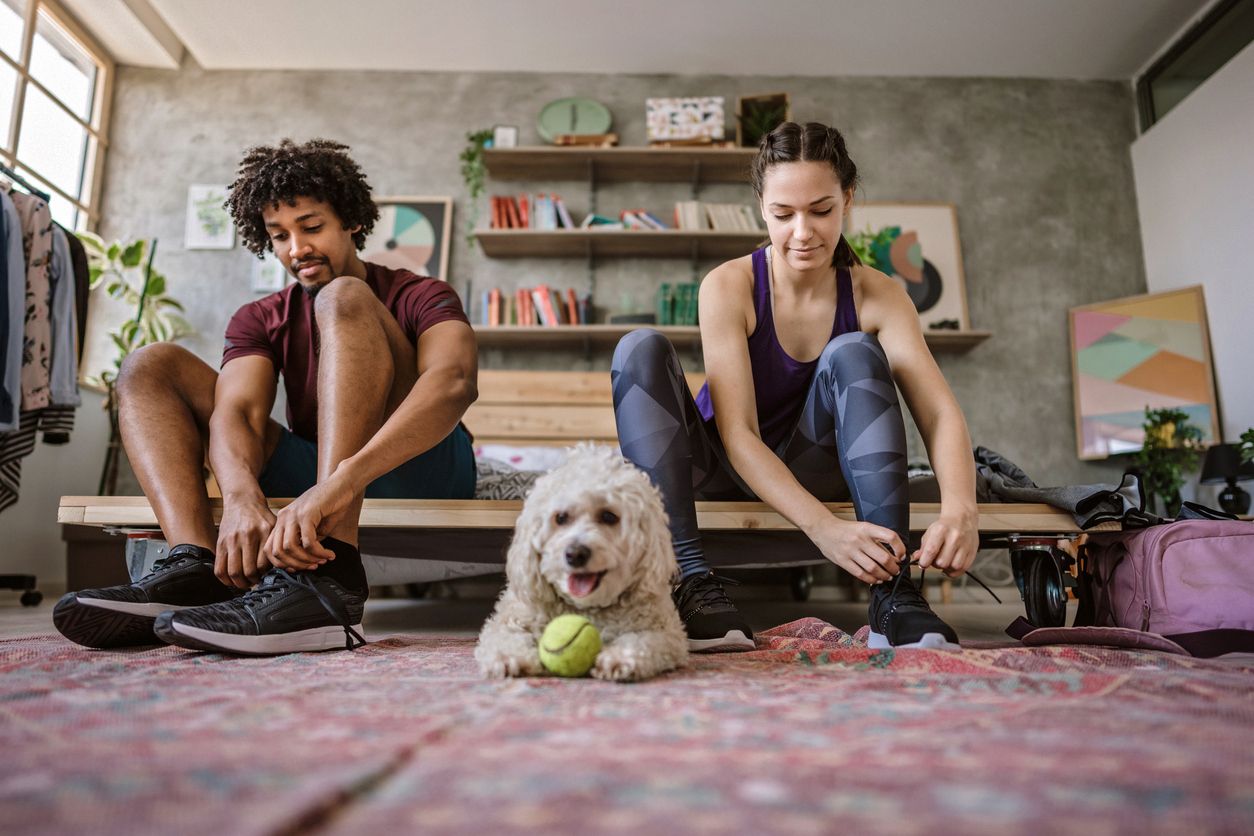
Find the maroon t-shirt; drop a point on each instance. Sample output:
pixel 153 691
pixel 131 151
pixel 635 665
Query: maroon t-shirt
pixel 281 326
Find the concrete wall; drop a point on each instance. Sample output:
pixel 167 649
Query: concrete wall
pixel 1039 171
pixel 1195 192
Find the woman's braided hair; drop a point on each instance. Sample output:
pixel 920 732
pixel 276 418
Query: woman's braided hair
pixel 320 169
pixel 812 142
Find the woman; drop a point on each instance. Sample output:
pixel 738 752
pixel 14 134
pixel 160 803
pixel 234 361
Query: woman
pixel 803 345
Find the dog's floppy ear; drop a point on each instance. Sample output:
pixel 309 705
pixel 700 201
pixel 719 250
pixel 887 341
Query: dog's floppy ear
pixel 522 560
pixel 659 562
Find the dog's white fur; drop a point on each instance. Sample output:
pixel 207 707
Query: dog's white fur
pixel 597 500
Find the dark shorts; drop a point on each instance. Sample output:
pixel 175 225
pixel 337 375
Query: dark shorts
pixel 446 471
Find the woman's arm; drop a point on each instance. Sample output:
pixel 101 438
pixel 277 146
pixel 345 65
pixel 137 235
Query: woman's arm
pixel 726 305
pixel 949 543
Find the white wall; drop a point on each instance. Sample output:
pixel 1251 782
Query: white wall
pixel 30 539
pixel 1194 174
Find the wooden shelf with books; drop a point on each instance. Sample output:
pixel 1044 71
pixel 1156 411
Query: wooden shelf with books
pixel 669 243
pixel 525 336
pixel 621 165
pixel 515 336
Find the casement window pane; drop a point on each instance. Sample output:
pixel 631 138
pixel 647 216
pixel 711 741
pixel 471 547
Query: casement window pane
pixel 12 13
pixel 63 212
pixel 8 89
pixel 64 67
pixel 52 143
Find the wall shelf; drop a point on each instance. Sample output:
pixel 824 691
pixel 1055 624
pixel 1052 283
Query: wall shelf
pixel 642 243
pixel 683 336
pixel 523 336
pixel 620 165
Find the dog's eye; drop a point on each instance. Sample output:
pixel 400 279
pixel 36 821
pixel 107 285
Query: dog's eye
pixel 608 517
pixel 561 518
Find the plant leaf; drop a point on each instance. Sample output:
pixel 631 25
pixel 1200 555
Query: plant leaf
pixel 133 253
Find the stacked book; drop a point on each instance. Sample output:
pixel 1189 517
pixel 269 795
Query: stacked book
pixel 530 211
pixel 721 217
pixel 540 305
pixel 677 303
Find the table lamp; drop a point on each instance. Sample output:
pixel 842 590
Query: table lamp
pixel 1223 464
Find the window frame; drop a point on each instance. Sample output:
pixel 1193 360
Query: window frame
pixel 1214 16
pixel 97 126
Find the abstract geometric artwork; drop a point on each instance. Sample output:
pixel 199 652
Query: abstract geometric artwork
pixel 917 244
pixel 1141 352
pixel 412 233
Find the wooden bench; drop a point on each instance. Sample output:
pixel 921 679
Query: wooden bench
pixel 526 408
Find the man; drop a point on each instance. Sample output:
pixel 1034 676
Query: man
pixel 378 366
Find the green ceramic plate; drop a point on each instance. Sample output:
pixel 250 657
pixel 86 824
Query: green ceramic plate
pixel 573 116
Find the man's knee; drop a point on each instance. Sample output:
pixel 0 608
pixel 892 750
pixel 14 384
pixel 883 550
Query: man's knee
pixel 344 299
pixel 152 363
pixel 643 348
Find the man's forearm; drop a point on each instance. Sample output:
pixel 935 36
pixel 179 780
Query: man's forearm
pixel 236 453
pixel 424 418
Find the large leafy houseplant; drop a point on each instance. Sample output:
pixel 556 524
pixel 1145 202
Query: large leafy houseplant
pixel 1172 447
pixel 124 269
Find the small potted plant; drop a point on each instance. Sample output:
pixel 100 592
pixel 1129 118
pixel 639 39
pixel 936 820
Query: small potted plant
pixel 474 173
pixel 124 269
pixel 1172 447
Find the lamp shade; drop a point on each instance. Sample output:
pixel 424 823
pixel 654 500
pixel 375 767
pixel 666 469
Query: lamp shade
pixel 1223 462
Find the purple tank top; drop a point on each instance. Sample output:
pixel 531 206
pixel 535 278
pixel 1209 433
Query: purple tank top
pixel 780 383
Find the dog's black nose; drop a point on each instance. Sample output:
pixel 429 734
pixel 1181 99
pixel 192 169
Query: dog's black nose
pixel 577 555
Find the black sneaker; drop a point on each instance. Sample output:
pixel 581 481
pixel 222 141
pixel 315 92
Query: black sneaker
pixel 710 618
pixel 288 612
pixel 122 616
pixel 900 617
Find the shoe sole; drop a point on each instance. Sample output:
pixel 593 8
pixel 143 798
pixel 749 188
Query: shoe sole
pixel 312 640
pixel 101 624
pixel 735 641
pixel 929 641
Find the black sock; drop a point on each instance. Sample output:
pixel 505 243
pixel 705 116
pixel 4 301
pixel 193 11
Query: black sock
pixel 346 569
pixel 190 550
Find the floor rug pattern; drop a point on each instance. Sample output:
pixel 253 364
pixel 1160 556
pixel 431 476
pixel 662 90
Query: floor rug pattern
pixel 811 733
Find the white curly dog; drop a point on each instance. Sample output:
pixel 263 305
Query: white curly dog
pixel 591 539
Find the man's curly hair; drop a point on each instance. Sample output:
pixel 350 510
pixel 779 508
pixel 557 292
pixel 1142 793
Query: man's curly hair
pixel 320 169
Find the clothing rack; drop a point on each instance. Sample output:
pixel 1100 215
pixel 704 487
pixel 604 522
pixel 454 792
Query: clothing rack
pixel 24 583
pixel 24 183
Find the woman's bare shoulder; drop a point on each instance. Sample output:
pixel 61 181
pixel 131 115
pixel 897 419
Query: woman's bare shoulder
pixel 738 271
pixel 876 296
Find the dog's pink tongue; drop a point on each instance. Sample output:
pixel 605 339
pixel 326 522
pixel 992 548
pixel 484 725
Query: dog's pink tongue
pixel 581 584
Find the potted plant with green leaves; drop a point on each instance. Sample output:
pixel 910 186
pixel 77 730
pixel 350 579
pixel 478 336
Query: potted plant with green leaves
pixel 1172 447
pixel 124 269
pixel 474 173
pixel 1247 445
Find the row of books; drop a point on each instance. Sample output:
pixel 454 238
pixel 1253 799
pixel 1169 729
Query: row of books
pixel 540 305
pixel 721 217
pixel 548 212
pixel 530 211
pixel 677 303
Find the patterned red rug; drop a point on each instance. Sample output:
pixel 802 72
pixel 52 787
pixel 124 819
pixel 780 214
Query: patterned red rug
pixel 811 733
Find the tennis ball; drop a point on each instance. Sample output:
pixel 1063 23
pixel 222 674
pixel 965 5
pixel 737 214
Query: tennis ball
pixel 569 645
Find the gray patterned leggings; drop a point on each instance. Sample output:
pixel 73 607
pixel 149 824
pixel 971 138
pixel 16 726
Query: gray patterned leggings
pixel 851 422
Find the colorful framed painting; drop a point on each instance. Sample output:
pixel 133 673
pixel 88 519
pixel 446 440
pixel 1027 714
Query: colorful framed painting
pixel 686 118
pixel 1127 355
pixel 412 233
pixel 917 244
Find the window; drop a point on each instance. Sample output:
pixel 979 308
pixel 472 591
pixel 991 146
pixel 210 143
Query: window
pixel 54 82
pixel 1198 55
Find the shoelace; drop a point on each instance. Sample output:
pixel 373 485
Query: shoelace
pixel 703 594
pixel 903 571
pixel 167 562
pixel 277 580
